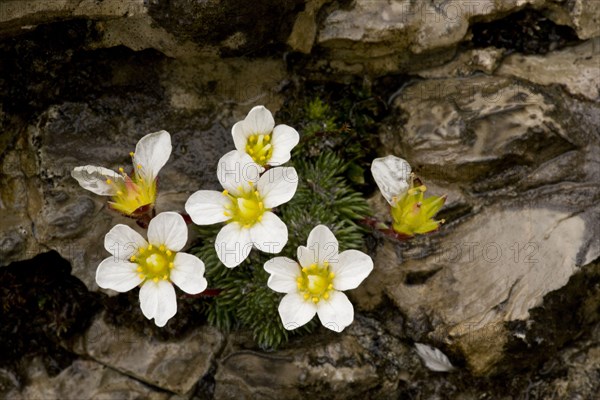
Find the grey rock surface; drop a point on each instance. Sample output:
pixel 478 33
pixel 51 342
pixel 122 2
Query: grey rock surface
pixel 402 36
pixel 521 238
pixel 44 208
pixel 576 68
pixel 362 361
pixel 510 282
pixel 84 379
pixel 174 366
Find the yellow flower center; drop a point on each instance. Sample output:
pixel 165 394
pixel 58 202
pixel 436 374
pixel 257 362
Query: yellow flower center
pixel 247 209
pixel 259 148
pixel 413 213
pixel 133 193
pixel 316 282
pixel 154 263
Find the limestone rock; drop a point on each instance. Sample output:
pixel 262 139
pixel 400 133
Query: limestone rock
pixel 582 15
pixel 83 380
pixel 42 207
pixel 233 27
pixel 175 366
pixel 305 28
pixel 576 68
pixel 404 36
pixel 467 63
pixel 9 383
pixel 528 225
pixel 580 377
pixel 493 269
pixel 23 15
pixel 457 129
pixel 395 36
pixel 362 361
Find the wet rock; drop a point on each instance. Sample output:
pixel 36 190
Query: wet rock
pixel 576 68
pixel 175 366
pixel 85 379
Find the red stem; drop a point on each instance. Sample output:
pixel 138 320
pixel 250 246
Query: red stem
pixel 186 218
pixel 207 293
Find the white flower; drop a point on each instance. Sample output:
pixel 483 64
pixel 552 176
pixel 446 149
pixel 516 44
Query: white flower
pixel 266 143
pixel 392 175
pixel 154 265
pixel 245 205
pixel 133 194
pixel 315 285
pixel 412 213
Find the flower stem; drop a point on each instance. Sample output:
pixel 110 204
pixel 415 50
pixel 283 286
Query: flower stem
pixel 210 292
pixel 186 218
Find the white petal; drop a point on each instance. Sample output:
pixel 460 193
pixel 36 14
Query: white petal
pixel 259 121
pixel 94 178
pixel 188 273
pixel 351 269
pixel 391 174
pixel 158 301
pixel 240 136
pixel 307 257
pixel 235 170
pixel 122 241
pixel 284 272
pixel 168 228
pixel 233 244
pixel 321 245
pixel 278 186
pixel 295 311
pixel 284 139
pixel 433 358
pixel 337 312
pixel 269 235
pixel 152 152
pixel 117 275
pixel 207 207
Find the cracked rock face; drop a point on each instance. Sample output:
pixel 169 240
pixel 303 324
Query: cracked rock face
pixel 520 238
pixel 108 100
pixel 174 366
pixel 505 121
pixel 405 36
pixel 575 68
pixel 362 361
pixel 85 379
